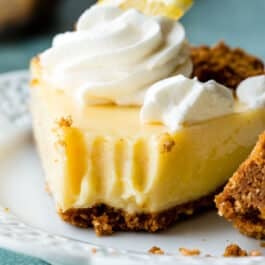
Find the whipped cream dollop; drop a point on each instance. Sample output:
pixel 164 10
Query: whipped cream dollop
pixel 114 56
pixel 178 101
pixel 252 91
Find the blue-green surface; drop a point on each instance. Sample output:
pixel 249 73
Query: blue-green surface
pixel 238 22
pixel 11 258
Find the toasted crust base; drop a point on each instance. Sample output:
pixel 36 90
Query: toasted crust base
pixel 225 65
pixel 105 220
pixel 243 199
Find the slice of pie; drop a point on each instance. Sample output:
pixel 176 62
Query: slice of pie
pixel 243 200
pixel 103 166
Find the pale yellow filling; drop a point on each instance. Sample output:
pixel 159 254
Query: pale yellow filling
pixel 108 156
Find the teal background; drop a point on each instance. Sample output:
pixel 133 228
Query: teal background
pixel 238 22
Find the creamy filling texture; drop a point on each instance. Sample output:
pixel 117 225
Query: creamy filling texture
pixel 108 157
pixel 114 56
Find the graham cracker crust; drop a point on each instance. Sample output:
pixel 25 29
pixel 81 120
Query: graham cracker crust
pixel 226 65
pixel 243 200
pixel 105 220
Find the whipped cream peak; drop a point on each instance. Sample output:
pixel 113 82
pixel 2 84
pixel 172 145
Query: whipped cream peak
pixel 114 56
pixel 251 91
pixel 178 101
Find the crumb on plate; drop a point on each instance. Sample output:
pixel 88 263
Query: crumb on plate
pixel 156 250
pixel 234 250
pixel 94 250
pixel 255 253
pixel 189 252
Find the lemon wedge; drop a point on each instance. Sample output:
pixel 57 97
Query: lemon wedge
pixel 173 9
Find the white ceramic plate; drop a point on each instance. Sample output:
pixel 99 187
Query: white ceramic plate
pixel 30 225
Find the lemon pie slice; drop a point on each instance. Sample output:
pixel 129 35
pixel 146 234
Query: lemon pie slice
pixel 105 166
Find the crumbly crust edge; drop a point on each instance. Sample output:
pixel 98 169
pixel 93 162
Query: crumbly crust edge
pixel 106 220
pixel 242 200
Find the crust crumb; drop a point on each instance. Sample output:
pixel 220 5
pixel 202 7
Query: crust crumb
pixel 156 250
pixel 234 250
pixel 48 189
pixel 189 252
pixel 102 226
pixel 65 122
pixel 94 250
pixel 255 253
pixel 6 210
pixel 167 143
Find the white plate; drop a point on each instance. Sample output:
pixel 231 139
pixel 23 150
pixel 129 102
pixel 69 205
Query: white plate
pixel 31 225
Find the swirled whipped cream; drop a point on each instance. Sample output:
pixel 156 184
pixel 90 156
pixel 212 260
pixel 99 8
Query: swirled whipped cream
pixel 252 91
pixel 114 56
pixel 179 101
